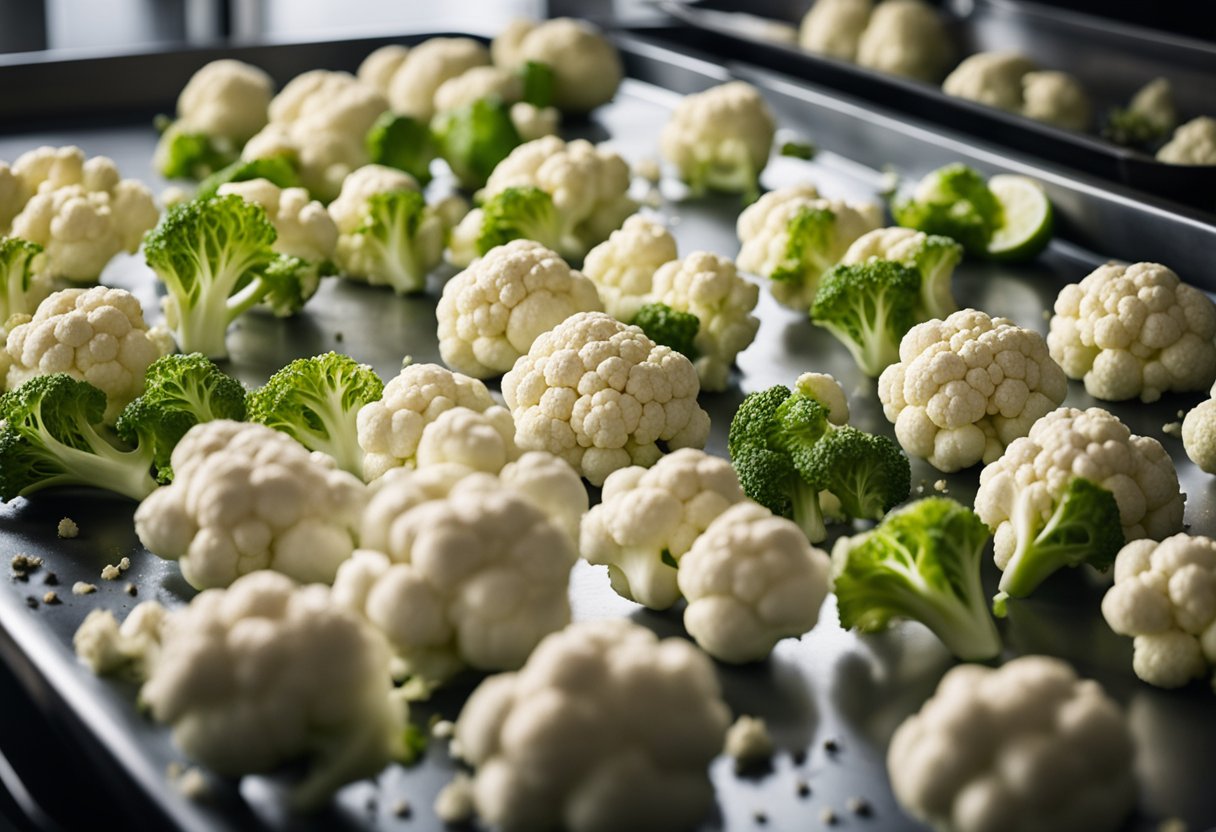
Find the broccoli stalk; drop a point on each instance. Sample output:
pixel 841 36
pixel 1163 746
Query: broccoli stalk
pixel 403 143
pixel 214 257
pixel 728 169
pixel 669 327
pixel 316 401
pixel 639 568
pixel 180 391
pixel 1085 527
pixel 474 138
pixel 22 290
pixel 867 473
pixel 396 246
pixel 869 307
pixel 522 213
pixel 922 563
pixel 276 169
pixel 954 201
pixel 808 248
pixel 538 81
pixel 51 435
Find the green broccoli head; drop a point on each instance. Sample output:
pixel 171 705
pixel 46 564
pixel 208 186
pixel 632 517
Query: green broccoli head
pixel 474 138
pixel 1130 128
pixel 809 248
pixel 921 563
pixel 397 243
pixel 184 154
pixel 213 256
pixel 50 435
pixel 291 282
pixel 180 391
pixel 954 201
pixel 521 213
pixel 403 143
pixel 869 474
pixel 936 260
pixel 277 169
pixel 669 327
pixel 316 401
pixel 19 294
pixel 869 307
pixel 1084 527
pixel 538 80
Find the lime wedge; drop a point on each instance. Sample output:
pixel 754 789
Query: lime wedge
pixel 1026 210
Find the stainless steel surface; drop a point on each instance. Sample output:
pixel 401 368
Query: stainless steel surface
pixel 827 685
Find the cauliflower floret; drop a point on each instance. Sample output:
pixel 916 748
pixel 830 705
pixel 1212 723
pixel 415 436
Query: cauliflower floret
pixel 379 67
pixel 479 440
pixel 81 212
pixel 708 286
pixel 237 683
pixel 601 395
pixel 1165 597
pixel 1027 747
pixel 586 66
pixel 130 649
pixel 791 237
pixel 720 139
pixel 834 27
pixel 992 78
pixel 490 313
pixel 389 430
pixel 246 497
pixel 623 266
pixel 906 37
pixel 751 579
pixel 1056 98
pixel 411 92
pixel 648 519
pixel 564 744
pixel 1133 331
pixel 965 387
pixel 96 335
pixel 304 227
pixel 321 120
pixel 1022 488
pixel 13 196
pixel 1194 143
pixel 1199 435
pixel 457 571
pixel 1154 102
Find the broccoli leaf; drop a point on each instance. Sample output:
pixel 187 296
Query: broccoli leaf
pixel 669 327
pixel 276 169
pixel 403 143
pixel 798 150
pixel 473 139
pixel 869 307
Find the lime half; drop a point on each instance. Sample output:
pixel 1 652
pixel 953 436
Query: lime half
pixel 1027 218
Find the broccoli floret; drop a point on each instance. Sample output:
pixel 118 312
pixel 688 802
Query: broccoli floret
pixel 397 242
pixel 187 155
pixel 180 391
pixel 22 288
pixel 808 248
pixel 1085 527
pixel 316 401
pixel 291 283
pixel 474 138
pixel 51 435
pixel 1132 129
pixel 922 563
pixel 403 143
pixel 935 261
pixel 954 201
pixel 522 213
pixel 277 169
pixel 214 257
pixel 867 473
pixel 869 307
pixel 668 327
pixel 538 81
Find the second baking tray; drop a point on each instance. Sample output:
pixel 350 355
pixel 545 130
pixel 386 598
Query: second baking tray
pixel 828 685
pixel 1112 61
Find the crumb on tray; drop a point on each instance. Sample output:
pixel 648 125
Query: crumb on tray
pixel 23 564
pixel 83 588
pixel 749 743
pixel 67 528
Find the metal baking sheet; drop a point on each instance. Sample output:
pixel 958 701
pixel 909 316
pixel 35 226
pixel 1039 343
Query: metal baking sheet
pixel 1112 61
pixel 827 685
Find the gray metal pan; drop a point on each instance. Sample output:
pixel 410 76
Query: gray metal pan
pixel 1112 61
pixel 828 685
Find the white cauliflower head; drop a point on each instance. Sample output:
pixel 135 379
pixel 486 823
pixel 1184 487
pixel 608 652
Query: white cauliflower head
pixel 492 312
pixel 792 237
pixel 586 66
pixel 601 395
pixel 834 27
pixel 246 497
pixel 236 681
pixel 708 286
pixel 13 196
pixel 623 266
pixel 1056 98
pixel 1155 103
pixel 1027 747
pixel 82 212
pixel 648 519
pixel 380 65
pixel 1022 488
pixel 411 92
pixel 1199 435
pixel 97 335
pixel 304 227
pixel 906 37
pixel 605 728
pixel 227 99
pixel 720 139
pixel 1133 331
pixel 1194 143
pixel 390 429
pixel 751 579
pixel 1165 597
pixel 128 650
pixel 967 386
pixel 479 440
pixel 457 571
pixel 992 78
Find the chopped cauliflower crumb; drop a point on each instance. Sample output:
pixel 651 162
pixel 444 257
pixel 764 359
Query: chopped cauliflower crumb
pixel 647 169
pixel 749 743
pixel 443 729
pixel 402 809
pixel 192 784
pixel 940 486
pixel 1172 429
pixel 22 565
pixel 131 590
pixel 50 598
pixel 111 573
pixel 83 588
pixel 454 804
pixel 67 528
